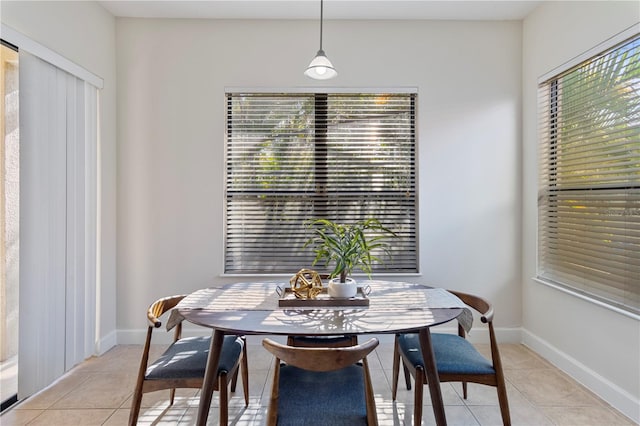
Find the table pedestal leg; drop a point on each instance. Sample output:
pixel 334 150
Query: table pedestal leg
pixel 210 377
pixel 432 377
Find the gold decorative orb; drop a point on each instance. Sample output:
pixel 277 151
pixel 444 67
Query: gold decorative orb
pixel 306 284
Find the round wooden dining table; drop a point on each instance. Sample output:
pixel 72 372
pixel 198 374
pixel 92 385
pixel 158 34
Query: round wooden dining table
pixel 254 308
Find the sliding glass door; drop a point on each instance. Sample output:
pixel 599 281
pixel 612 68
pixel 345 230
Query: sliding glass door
pixel 9 228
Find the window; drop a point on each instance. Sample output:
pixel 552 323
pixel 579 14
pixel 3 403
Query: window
pixel 295 157
pixel 589 187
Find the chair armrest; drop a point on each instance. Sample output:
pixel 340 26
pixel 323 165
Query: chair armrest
pixel 488 316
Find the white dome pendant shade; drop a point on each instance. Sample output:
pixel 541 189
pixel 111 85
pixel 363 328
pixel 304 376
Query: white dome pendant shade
pixel 321 67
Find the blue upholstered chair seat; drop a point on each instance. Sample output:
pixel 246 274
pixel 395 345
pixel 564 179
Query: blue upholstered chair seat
pixel 305 395
pixel 187 358
pixel 454 355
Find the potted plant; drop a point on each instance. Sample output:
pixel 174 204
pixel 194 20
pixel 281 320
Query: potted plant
pixel 350 246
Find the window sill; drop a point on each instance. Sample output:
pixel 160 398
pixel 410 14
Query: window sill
pixel 587 298
pixel 287 276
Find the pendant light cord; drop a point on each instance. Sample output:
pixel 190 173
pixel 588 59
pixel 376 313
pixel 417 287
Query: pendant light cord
pixel 321 19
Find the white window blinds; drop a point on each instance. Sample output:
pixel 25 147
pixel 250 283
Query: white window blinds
pixel 295 157
pixel 589 199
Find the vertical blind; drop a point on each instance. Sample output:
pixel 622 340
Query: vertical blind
pixel 295 157
pixel 58 190
pixel 589 199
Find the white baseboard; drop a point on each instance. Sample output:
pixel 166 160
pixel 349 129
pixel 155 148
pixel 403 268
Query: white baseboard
pixel 480 334
pixel 107 342
pixel 160 335
pixel 620 399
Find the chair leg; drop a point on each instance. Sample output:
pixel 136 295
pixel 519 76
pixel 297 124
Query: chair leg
pixel 172 396
pixel 407 376
pixel 224 399
pixel 272 412
pixel 245 375
pixel 137 393
pixel 417 397
pixel 243 363
pixel 464 390
pixel 234 380
pixel 504 403
pixel 135 404
pixel 135 409
pixel 372 416
pixel 396 370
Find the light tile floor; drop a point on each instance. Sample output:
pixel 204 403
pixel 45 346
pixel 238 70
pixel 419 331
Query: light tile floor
pixel 98 392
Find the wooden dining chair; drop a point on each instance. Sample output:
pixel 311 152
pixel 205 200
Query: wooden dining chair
pixel 456 360
pixel 321 385
pixel 183 363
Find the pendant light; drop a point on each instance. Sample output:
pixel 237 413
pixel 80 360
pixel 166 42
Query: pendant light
pixel 320 67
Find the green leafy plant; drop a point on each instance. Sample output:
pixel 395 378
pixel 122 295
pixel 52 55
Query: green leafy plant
pixel 348 245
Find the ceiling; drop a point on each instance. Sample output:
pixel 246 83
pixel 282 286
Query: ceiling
pixel 333 9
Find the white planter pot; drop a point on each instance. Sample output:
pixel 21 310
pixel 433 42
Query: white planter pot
pixel 342 290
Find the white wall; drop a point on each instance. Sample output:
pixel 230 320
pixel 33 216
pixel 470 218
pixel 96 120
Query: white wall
pixel 171 80
pixel 171 77
pixel 597 346
pixel 84 33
